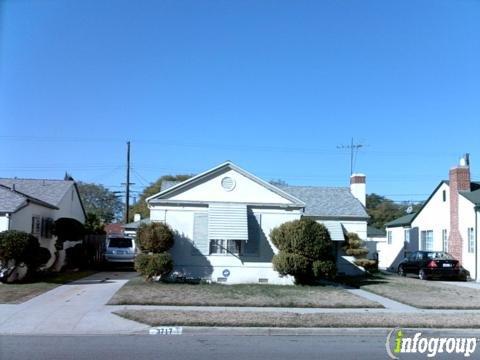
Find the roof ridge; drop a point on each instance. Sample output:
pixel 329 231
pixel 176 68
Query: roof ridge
pixel 41 179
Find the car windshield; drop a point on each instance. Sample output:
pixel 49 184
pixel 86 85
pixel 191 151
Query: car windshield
pixel 439 256
pixel 120 242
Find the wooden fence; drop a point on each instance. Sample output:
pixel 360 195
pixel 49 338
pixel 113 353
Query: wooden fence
pixel 94 246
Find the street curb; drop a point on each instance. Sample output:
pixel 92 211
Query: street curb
pixel 262 331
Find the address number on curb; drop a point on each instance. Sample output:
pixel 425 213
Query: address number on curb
pixel 166 330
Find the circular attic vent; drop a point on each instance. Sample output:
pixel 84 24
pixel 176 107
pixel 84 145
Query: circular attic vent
pixel 228 183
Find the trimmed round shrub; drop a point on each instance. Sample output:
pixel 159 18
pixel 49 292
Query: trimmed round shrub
pixel 324 269
pixel 305 251
pixel 291 264
pixel 154 237
pixel 153 265
pixel 355 246
pixel 20 247
pixel 305 237
pixel 367 264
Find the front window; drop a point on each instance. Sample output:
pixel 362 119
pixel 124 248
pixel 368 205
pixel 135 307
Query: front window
pixel 427 239
pixel 406 235
pixel 36 225
pixel 226 247
pixel 471 240
pixel 389 237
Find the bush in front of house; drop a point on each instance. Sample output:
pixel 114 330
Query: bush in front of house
pixel 151 266
pixel 354 246
pixel 305 251
pixel 19 249
pixel 154 237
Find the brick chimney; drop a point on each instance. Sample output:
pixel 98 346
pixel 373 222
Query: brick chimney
pixel 459 177
pixel 358 187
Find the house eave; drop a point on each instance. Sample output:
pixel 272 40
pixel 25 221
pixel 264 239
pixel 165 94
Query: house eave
pixel 160 202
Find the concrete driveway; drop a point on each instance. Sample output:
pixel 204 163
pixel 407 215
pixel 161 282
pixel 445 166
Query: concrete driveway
pixel 75 308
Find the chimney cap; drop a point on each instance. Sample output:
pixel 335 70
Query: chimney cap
pixel 357 178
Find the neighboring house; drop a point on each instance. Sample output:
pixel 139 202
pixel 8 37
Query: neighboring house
pixel 114 228
pixel 375 240
pixel 448 221
pixel 32 205
pixel 222 219
pixel 130 229
pixel 400 240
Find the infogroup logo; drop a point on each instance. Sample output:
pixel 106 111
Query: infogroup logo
pixel 399 343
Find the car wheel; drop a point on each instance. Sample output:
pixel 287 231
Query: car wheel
pixel 422 275
pixel 400 271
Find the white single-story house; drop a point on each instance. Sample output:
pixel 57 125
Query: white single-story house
pixel 448 221
pixel 222 219
pixel 32 205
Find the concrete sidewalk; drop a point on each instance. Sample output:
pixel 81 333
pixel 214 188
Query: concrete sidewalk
pixel 75 308
pixel 79 308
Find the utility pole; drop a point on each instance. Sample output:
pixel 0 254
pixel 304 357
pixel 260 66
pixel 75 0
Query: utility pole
pixel 127 185
pixel 353 148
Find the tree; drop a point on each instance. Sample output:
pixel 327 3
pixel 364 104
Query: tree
pixel 100 201
pixel 93 224
pixel 305 251
pixel 278 182
pixel 141 206
pixel 383 210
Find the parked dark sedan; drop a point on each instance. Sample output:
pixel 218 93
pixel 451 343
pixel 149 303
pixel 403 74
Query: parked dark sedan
pixel 432 264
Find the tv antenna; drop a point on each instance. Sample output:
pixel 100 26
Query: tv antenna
pixel 353 152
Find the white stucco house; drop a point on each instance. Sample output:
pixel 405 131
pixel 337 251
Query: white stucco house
pixel 448 221
pixel 222 219
pixel 32 205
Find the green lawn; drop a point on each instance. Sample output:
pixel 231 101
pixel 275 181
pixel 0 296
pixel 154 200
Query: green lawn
pixel 283 319
pixel 420 293
pixel 139 292
pixel 18 293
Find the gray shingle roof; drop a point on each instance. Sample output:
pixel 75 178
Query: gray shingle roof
pixel 49 191
pixel 474 194
pixel 374 232
pixel 10 201
pixel 327 201
pixel 401 221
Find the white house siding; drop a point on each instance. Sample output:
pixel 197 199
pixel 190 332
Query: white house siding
pixel 434 216
pixel 4 222
pixel 466 219
pixel 22 221
pixel 246 269
pixel 389 255
pixel 358 227
pixel 70 206
pixel 245 191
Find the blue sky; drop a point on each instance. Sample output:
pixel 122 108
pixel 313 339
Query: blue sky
pixel 275 86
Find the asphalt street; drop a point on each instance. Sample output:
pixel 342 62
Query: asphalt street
pixel 333 344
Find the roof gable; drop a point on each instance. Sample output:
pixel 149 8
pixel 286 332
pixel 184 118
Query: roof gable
pixel 207 187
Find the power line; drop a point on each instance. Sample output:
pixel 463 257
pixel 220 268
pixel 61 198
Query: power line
pixel 353 151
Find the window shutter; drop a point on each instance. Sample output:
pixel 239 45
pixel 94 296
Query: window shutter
pixel 252 247
pixel 200 233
